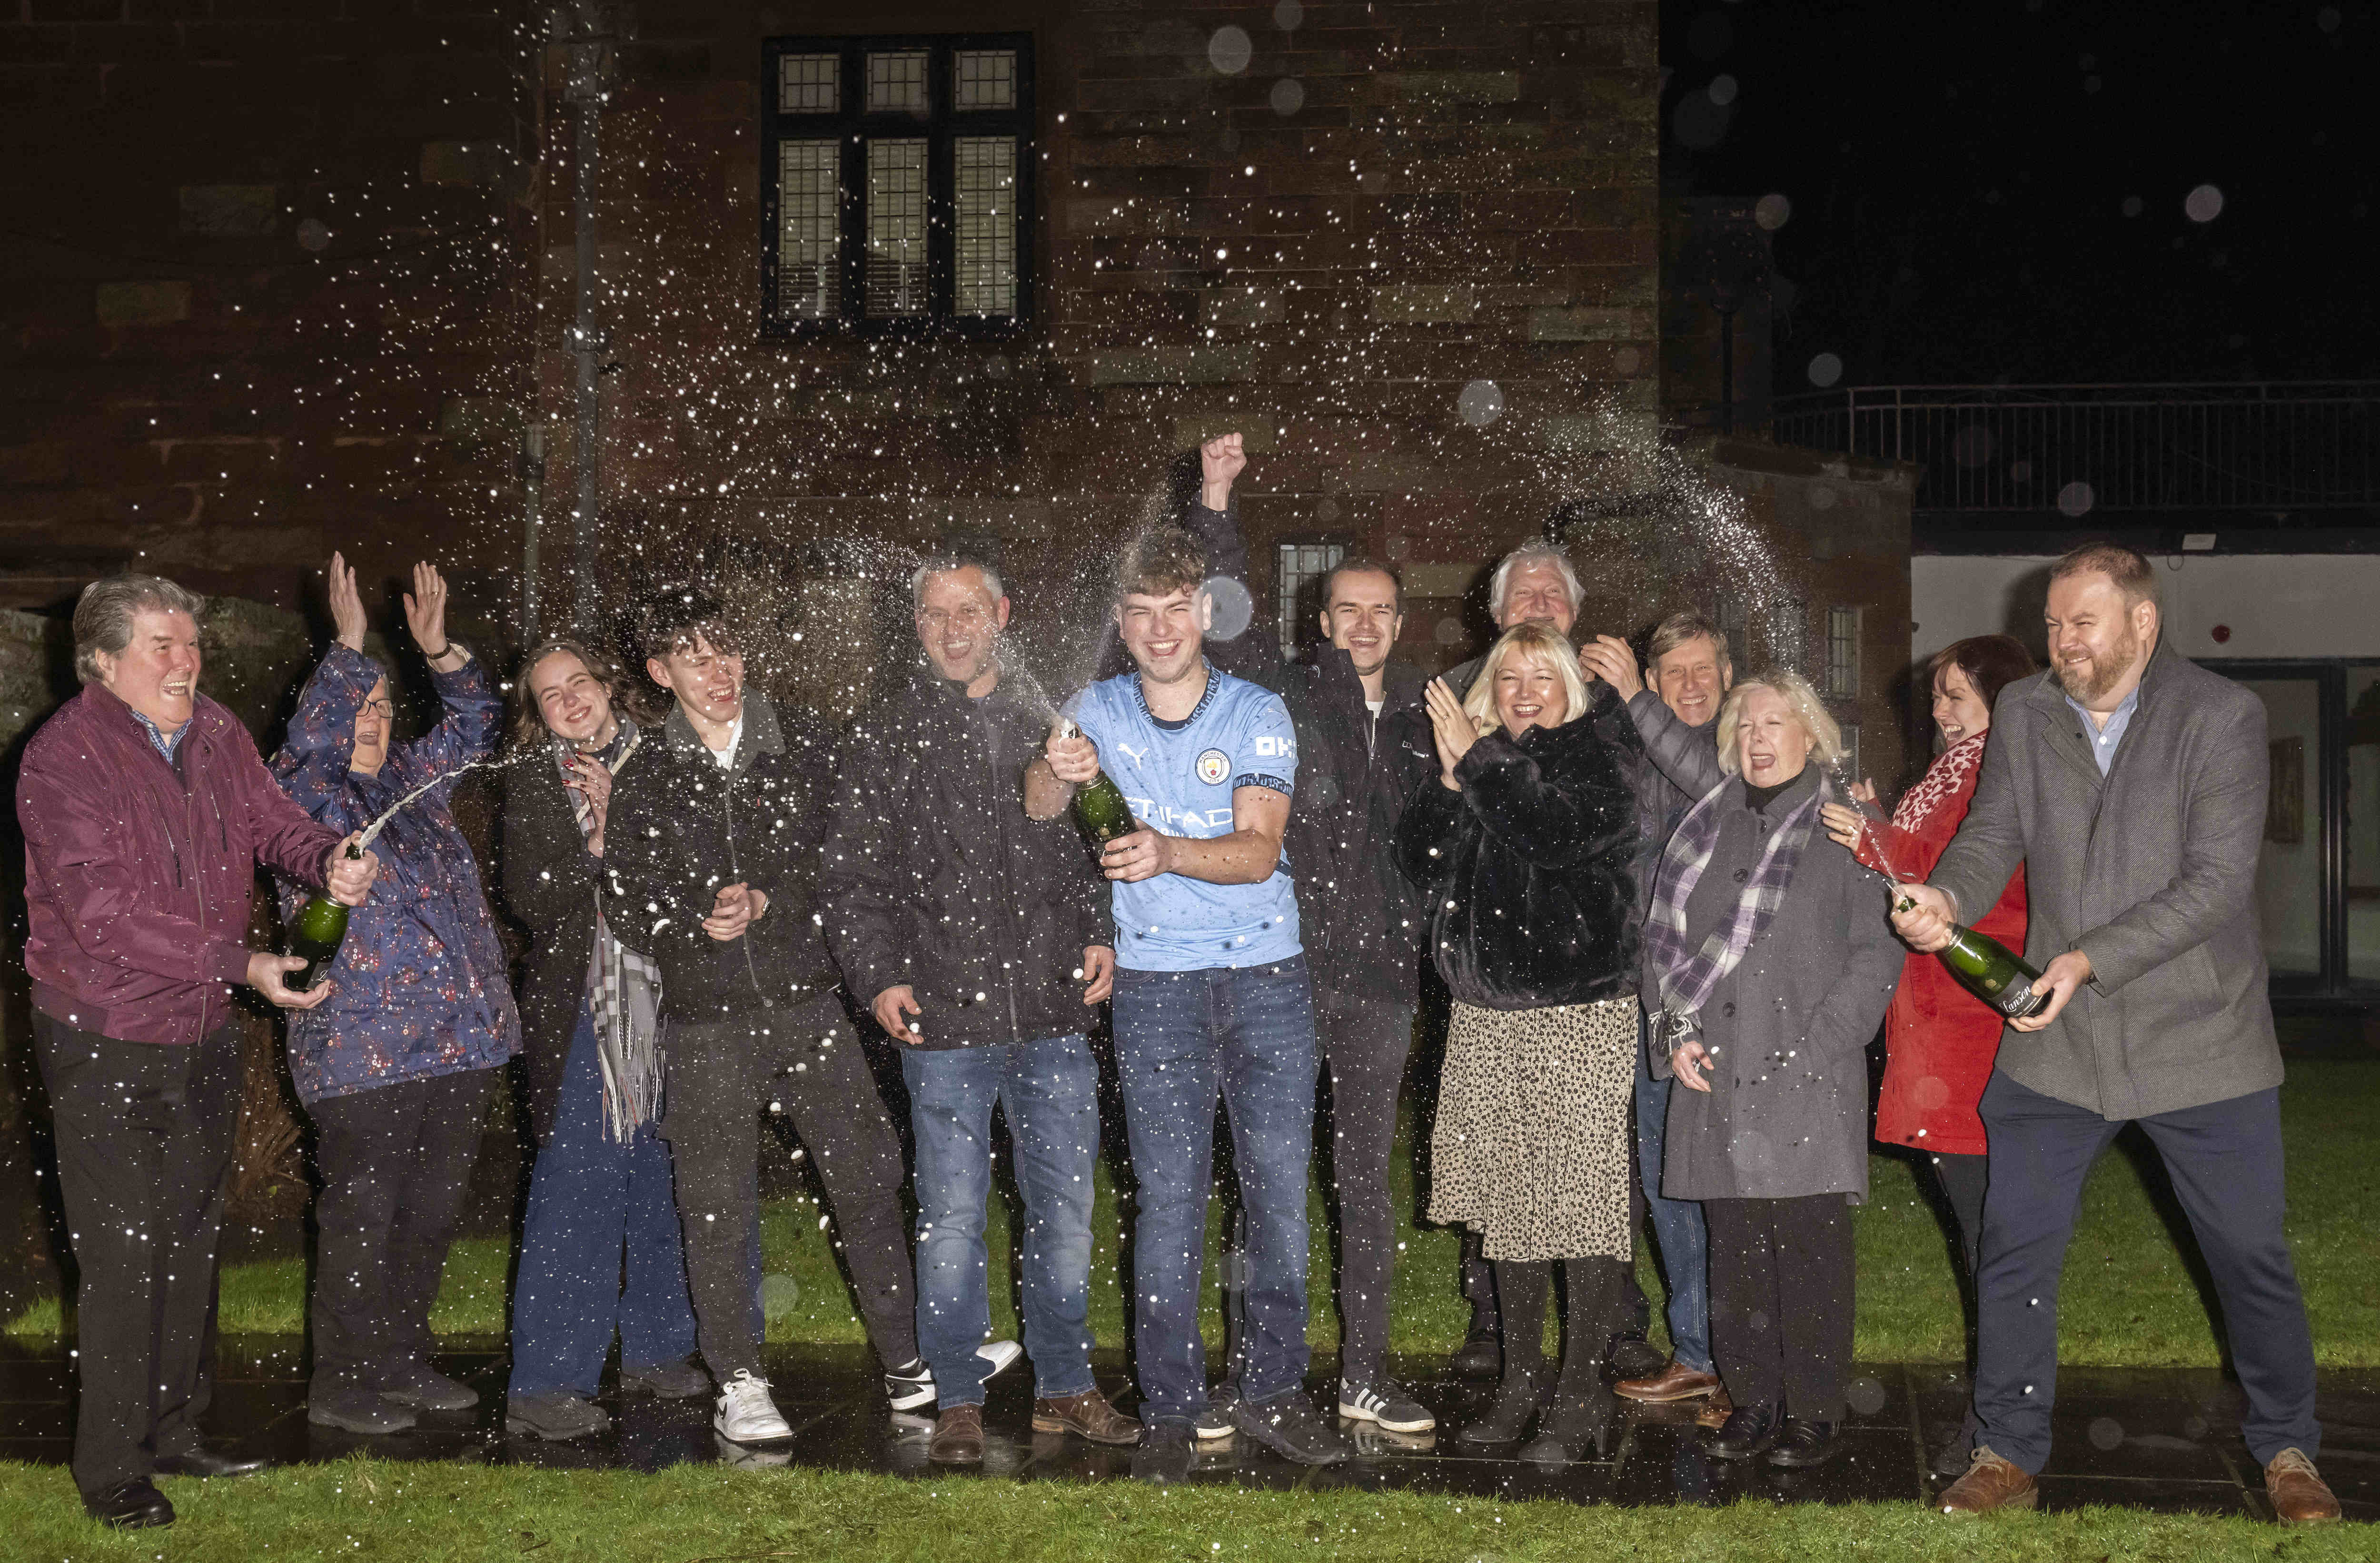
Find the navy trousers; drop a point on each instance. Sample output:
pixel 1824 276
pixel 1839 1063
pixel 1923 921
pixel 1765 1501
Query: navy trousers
pixel 594 1202
pixel 2224 1159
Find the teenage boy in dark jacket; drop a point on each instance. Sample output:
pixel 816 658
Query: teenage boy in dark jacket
pixel 980 939
pixel 713 848
pixel 1362 922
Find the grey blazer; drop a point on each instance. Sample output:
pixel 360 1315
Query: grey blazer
pixel 1788 1028
pixel 2150 872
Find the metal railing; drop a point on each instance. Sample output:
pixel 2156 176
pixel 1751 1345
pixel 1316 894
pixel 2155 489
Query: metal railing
pixel 2268 447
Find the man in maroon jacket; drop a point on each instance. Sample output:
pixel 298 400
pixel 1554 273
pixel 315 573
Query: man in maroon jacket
pixel 146 810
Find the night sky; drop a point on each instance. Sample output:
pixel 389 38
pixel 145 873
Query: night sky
pixel 1996 191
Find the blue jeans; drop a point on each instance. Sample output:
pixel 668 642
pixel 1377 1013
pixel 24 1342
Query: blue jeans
pixel 590 1195
pixel 1049 1090
pixel 1181 1037
pixel 1677 1223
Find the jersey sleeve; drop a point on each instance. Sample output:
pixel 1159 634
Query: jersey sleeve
pixel 1265 752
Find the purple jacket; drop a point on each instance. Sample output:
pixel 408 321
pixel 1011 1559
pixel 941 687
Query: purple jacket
pixel 139 870
pixel 419 987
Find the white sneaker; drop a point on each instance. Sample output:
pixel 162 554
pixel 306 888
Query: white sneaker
pixel 745 1414
pixel 910 1388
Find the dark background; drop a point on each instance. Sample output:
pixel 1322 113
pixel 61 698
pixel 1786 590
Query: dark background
pixel 1959 175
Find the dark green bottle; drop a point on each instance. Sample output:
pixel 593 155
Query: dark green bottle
pixel 315 934
pixel 1991 971
pixel 1101 812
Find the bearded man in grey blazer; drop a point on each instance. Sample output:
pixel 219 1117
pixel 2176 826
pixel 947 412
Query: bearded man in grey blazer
pixel 2131 783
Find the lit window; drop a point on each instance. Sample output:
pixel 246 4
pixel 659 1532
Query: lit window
pixel 1295 565
pixel 1844 653
pixel 902 185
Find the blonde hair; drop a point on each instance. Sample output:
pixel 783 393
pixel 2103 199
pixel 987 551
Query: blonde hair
pixel 1539 642
pixel 1825 733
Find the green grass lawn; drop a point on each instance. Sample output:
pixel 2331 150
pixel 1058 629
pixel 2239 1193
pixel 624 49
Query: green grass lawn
pixel 2128 1299
pixel 373 1510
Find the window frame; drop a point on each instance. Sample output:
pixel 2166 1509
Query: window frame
pixel 1289 624
pixel 1846 678
pixel 941 126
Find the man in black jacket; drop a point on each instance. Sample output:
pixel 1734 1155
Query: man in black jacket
pixel 980 939
pixel 713 849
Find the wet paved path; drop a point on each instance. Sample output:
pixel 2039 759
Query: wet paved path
pixel 2160 1439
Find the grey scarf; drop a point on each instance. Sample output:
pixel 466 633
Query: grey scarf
pixel 624 989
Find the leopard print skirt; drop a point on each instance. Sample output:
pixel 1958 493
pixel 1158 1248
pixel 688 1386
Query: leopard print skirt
pixel 1531 1147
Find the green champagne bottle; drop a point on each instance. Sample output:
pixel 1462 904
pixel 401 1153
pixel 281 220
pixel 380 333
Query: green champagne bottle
pixel 1990 971
pixel 1099 809
pixel 315 935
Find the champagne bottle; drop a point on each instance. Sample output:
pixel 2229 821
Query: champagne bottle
pixel 1990 971
pixel 315 934
pixel 1100 807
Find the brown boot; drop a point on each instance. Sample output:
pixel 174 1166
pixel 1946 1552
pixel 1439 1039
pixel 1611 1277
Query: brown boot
pixel 958 1436
pixel 1990 1483
pixel 2299 1495
pixel 1674 1382
pixel 1087 1413
pixel 1716 1411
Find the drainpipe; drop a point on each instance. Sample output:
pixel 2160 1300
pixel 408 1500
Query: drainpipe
pixel 532 477
pixel 591 29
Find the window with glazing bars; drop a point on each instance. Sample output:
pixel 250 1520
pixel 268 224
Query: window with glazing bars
pixel 1843 652
pixel 1296 565
pixel 900 184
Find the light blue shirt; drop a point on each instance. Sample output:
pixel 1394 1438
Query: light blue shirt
pixel 158 738
pixel 1179 778
pixel 2105 739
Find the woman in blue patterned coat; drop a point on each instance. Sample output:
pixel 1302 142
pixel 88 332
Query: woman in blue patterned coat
pixel 395 1067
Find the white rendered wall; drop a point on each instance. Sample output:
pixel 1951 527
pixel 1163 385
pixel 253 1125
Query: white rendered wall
pixel 2275 605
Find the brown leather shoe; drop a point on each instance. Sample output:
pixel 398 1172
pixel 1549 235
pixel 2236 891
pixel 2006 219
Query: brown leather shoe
pixel 2299 1495
pixel 1990 1483
pixel 958 1436
pixel 1087 1413
pixel 1674 1382
pixel 1716 1411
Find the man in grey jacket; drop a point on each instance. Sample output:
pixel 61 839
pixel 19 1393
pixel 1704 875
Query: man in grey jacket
pixel 2131 783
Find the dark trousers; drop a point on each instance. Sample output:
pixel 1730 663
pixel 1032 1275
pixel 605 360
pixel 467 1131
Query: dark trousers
pixel 2224 1159
pixel 1781 1299
pixel 718 1080
pixel 395 1162
pixel 1963 1180
pixel 594 1202
pixel 1365 1041
pixel 144 1146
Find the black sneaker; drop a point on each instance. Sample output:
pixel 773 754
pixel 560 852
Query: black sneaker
pixel 1164 1454
pixel 909 1386
pixel 1384 1402
pixel 680 1380
pixel 1221 1420
pixel 557 1416
pixel 1288 1425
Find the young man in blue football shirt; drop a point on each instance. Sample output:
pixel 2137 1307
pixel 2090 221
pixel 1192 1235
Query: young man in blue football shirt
pixel 1211 992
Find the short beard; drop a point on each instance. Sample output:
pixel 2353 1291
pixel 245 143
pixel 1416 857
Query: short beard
pixel 2108 672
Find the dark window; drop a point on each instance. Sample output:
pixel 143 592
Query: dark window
pixel 897 184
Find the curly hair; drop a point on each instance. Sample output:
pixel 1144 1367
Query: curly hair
pixel 1160 564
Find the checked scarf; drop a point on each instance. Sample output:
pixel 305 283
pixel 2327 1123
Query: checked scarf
pixel 1689 974
pixel 624 989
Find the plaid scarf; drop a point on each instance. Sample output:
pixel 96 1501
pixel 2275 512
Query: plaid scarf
pixel 624 989
pixel 1688 974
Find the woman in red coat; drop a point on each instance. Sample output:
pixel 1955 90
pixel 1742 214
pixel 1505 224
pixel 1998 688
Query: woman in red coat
pixel 1940 1039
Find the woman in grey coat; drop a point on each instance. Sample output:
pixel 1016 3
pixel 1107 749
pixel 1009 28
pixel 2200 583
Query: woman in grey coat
pixel 1767 966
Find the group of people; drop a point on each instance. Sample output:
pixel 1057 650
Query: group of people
pixel 1665 933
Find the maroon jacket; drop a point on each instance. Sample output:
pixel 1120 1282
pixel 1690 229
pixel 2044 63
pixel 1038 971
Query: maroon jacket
pixel 139 870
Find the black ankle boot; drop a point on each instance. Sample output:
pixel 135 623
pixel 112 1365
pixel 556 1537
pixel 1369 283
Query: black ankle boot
pixel 1509 1415
pixel 1749 1430
pixel 1481 1355
pixel 1572 1428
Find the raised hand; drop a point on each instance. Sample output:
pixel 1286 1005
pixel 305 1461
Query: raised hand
pixel 1220 461
pixel 1608 657
pixel 1450 728
pixel 348 880
pixel 592 780
pixel 425 611
pixel 347 606
pixel 1845 825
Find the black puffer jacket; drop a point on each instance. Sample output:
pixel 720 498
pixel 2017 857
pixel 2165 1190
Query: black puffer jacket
pixel 935 878
pixel 1361 919
pixel 1531 869
pixel 680 828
